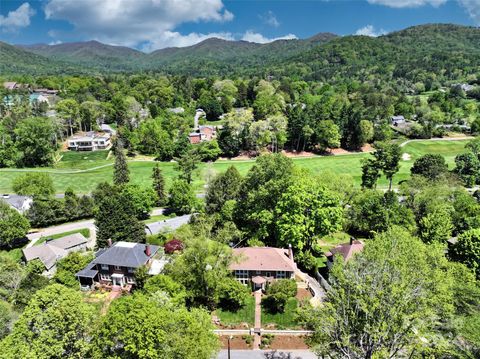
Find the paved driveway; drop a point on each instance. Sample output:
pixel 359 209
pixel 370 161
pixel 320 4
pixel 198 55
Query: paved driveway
pixel 167 224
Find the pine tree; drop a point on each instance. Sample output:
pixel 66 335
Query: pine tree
pixel 121 172
pixel 159 185
pixel 115 217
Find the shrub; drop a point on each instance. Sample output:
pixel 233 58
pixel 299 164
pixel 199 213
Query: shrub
pixel 233 295
pixel 173 246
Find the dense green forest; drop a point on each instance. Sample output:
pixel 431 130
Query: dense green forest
pixel 449 51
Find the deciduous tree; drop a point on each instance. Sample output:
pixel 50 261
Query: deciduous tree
pixel 386 301
pixel 181 199
pixel 13 227
pixel 55 324
pixel 138 327
pixel 305 212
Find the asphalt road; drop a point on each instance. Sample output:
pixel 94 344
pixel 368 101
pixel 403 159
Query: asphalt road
pixel 154 228
pixel 168 224
pixel 260 354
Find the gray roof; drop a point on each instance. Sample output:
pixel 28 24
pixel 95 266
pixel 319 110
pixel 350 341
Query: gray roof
pixel 51 251
pixel 14 200
pixel 125 254
pixel 88 271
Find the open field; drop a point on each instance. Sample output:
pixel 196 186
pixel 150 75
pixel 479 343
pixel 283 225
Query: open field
pixel 83 171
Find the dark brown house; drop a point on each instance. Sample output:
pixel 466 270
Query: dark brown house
pixel 114 267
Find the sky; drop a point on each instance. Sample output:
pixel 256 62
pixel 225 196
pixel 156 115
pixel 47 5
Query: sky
pixel 148 25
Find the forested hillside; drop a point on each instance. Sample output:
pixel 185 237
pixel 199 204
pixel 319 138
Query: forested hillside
pixel 90 54
pixel 420 53
pixel 18 61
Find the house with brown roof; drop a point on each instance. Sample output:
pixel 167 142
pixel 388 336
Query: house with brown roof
pixel 346 250
pixel 260 265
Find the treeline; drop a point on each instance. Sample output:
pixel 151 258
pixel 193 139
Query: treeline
pixel 154 115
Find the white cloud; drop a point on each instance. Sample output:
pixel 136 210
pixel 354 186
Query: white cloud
pixel 408 3
pixel 251 36
pixel 55 42
pixel 270 19
pixel 134 22
pixel 17 19
pixel 175 39
pixel 369 30
pixel 473 9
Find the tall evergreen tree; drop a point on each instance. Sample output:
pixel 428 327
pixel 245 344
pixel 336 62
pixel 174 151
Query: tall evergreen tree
pixel 115 217
pixel 159 185
pixel 224 187
pixel 121 173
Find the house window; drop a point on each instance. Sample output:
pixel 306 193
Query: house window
pixel 105 277
pixel 281 274
pixel 242 276
pixel 130 280
pixel 104 266
pixel 117 267
pixel 130 269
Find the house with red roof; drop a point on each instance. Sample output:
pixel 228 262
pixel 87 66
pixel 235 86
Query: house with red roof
pixel 346 250
pixel 258 266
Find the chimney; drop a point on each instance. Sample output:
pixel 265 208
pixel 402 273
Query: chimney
pixel 290 252
pixel 195 121
pixel 351 240
pixel 148 252
pixel 109 242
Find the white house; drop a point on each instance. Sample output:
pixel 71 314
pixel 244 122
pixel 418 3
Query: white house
pixel 90 142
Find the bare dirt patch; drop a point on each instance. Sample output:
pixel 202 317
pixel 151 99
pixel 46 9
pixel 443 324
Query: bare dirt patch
pixel 298 154
pixel 288 342
pixel 237 342
pixel 302 294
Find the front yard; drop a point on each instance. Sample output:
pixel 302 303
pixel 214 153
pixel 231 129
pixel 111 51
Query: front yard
pixel 244 317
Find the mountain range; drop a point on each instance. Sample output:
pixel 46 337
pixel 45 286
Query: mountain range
pixel 215 56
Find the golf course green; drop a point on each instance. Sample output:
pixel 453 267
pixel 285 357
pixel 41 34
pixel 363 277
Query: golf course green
pixel 82 171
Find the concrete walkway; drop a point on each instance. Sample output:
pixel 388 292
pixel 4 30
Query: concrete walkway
pixel 316 288
pixel 258 319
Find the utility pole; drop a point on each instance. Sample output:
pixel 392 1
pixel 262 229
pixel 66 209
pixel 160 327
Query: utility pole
pixel 229 338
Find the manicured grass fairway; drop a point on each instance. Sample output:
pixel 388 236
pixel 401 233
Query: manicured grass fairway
pixel 83 171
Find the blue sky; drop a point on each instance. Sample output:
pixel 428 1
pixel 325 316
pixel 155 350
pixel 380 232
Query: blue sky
pixel 154 24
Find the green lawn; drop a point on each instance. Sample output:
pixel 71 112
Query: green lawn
pixel 284 320
pixel 84 231
pixel 82 171
pixel 157 218
pixel 246 314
